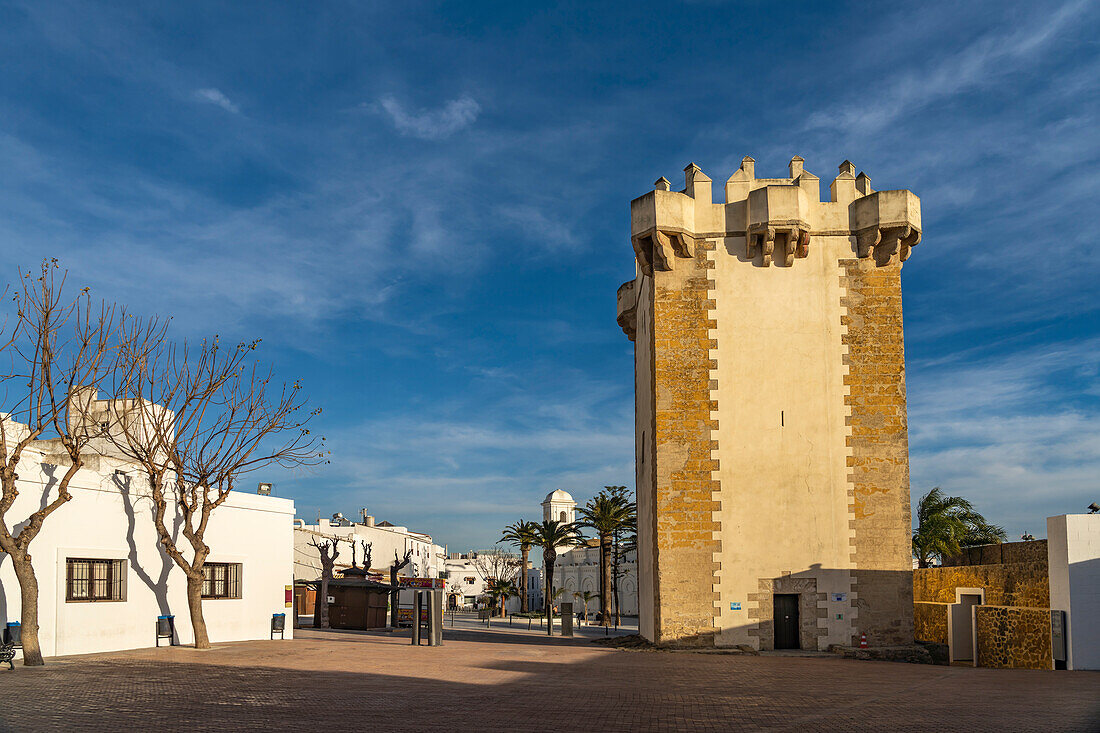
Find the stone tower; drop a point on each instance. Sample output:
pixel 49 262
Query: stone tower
pixel 771 435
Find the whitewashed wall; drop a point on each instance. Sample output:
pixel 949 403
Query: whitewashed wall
pixel 105 520
pixel 1073 555
pixel 427 560
pixel 578 570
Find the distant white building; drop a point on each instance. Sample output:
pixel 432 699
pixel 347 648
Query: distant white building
pixel 467 585
pixel 578 569
pixel 387 541
pixel 103 578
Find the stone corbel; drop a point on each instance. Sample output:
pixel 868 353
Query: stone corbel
pixel 627 302
pixel 657 250
pixel 796 243
pixel 662 251
pixel 764 238
pixel 642 252
pixel 866 240
pixel 897 243
pixel 889 245
pixel 682 244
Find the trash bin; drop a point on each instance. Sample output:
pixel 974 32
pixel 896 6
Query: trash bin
pixel 13 634
pixel 166 629
pixel 278 625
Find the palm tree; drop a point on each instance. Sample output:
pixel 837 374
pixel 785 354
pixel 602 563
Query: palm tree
pixel 501 590
pixel 550 535
pixel 946 524
pixel 606 514
pixel 585 598
pixel 522 535
pixel 624 539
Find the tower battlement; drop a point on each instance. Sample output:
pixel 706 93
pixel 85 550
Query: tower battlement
pixel 778 216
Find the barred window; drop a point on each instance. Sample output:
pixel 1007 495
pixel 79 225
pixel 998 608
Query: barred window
pixel 222 580
pixel 94 580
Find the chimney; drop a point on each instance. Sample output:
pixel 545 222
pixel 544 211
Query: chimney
pixel 368 520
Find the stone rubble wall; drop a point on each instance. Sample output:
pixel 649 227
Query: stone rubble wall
pixel 1011 584
pixel 999 554
pixel 930 622
pixel 1013 637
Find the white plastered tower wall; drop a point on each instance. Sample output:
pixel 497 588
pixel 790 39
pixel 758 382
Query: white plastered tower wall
pixel 751 481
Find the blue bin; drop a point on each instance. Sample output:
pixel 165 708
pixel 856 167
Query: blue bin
pixel 13 634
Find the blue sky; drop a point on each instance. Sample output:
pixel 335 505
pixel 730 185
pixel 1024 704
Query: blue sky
pixel 423 211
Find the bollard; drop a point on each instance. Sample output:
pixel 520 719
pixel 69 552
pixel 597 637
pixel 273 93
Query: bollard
pixel 416 619
pixel 435 618
pixel 566 619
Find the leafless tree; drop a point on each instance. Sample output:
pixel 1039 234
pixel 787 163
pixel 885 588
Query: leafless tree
pixel 368 548
pixel 394 597
pixel 497 566
pixel 366 553
pixel 58 352
pixel 320 608
pixel 196 420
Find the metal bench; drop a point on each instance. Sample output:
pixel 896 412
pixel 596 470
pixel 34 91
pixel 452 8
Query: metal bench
pixel 7 653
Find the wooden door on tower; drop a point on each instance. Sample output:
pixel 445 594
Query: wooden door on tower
pixel 786 621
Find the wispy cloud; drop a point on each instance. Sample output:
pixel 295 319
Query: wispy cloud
pixel 485 458
pixel 541 228
pixel 1015 433
pixel 432 124
pixel 218 98
pixel 986 59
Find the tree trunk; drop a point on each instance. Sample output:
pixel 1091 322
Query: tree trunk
pixel 605 580
pixel 393 598
pixel 548 558
pixel 320 608
pixel 28 619
pixel 525 550
pixel 615 582
pixel 194 606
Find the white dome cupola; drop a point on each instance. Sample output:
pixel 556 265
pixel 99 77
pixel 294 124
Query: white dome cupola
pixel 559 505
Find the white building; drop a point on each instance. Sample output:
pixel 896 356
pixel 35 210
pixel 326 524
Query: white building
pixel 1073 564
pixel 578 569
pixel 386 540
pixel 103 579
pixel 467 584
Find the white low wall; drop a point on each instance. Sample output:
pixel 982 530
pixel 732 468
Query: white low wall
pixel 104 521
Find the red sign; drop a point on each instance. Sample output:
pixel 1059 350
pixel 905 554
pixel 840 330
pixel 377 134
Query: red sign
pixel 426 583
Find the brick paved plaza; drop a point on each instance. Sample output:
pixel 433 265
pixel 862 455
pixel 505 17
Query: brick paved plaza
pixel 507 680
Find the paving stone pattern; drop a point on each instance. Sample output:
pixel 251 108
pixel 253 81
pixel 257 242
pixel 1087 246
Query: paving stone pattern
pixel 504 681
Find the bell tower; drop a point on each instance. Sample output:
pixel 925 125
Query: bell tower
pixel 559 505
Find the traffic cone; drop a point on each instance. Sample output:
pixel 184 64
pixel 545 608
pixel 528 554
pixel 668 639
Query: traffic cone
pixel 863 641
